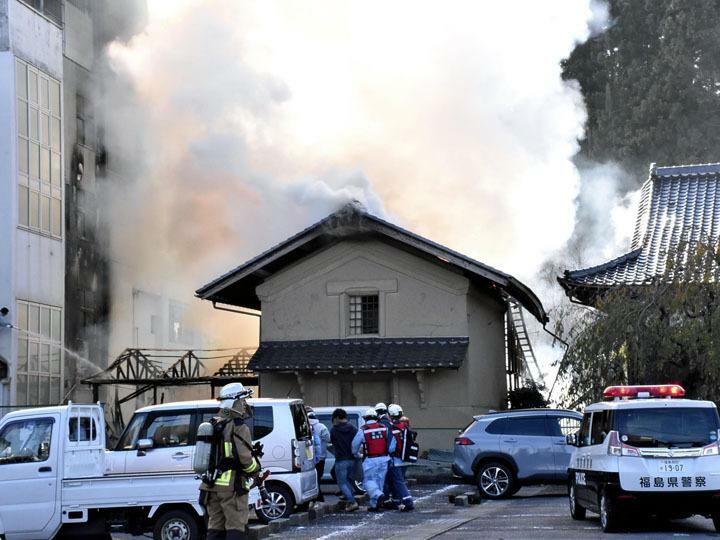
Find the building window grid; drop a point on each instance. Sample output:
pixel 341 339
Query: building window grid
pixel 39 150
pixel 39 357
pixel 364 314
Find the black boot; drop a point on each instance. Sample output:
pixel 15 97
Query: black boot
pixel 235 535
pixel 215 534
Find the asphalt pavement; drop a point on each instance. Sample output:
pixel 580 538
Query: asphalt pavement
pixel 534 513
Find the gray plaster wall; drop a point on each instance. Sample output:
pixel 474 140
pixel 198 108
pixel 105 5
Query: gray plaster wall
pixel 418 299
pixel 308 300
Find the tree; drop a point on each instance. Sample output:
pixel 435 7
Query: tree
pixel 665 331
pixel 651 84
pixel 527 397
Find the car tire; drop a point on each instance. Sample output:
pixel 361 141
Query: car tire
pixel 495 480
pixel 716 521
pixel 280 505
pixel 609 516
pixel 576 511
pixel 176 524
pixel 357 487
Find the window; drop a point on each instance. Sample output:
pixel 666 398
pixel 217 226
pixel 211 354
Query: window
pixel 178 330
pixel 562 426
pixel 130 436
pixel 526 425
pixel 26 441
pixel 52 9
pixel 82 429
pixel 168 430
pixel 496 427
pixel 39 151
pixel 584 439
pixel 685 427
pixel 600 426
pixel 301 422
pixel 261 423
pixel 364 315
pixel 39 357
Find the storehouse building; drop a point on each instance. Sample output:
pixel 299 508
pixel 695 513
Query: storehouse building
pixel 356 310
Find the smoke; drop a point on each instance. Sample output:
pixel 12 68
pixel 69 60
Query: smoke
pixel 236 124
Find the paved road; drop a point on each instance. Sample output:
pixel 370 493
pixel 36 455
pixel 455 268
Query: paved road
pixel 536 513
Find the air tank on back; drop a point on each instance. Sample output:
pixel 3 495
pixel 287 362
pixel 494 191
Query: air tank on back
pixel 203 448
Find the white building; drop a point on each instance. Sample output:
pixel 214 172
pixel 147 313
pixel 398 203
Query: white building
pixel 32 194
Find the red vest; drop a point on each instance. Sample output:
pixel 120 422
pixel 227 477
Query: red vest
pixel 400 433
pixel 376 442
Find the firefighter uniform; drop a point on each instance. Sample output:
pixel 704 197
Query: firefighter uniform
pixel 227 497
pixel 378 443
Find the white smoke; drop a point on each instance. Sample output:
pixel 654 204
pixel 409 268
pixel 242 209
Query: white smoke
pixel 240 123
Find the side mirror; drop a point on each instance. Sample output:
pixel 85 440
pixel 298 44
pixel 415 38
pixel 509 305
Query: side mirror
pixel 571 439
pixel 143 445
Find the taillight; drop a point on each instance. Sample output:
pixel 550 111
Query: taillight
pixel 711 450
pixel 295 454
pixel 618 448
pixel 463 441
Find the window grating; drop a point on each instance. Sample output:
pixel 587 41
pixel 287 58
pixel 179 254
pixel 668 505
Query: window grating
pixel 364 314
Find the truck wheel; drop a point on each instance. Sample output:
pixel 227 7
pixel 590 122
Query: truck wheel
pixel 279 506
pixel 176 525
pixel 609 517
pixel 495 480
pixel 576 511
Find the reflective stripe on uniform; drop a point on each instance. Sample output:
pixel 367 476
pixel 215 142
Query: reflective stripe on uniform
pixel 252 467
pixel 225 477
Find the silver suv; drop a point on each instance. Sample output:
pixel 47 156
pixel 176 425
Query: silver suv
pixel 503 451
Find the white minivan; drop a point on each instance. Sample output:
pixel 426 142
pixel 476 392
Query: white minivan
pixel 166 434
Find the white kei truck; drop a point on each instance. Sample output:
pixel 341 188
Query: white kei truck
pixel 54 482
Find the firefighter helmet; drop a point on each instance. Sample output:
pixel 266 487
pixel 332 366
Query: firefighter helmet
pixel 370 413
pixel 395 410
pixel 381 408
pixel 230 393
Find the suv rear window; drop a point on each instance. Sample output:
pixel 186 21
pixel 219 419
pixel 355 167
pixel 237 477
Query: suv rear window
pixel 519 425
pixel 300 421
pixel 684 427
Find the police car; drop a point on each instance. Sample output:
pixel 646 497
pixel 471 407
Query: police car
pixel 646 451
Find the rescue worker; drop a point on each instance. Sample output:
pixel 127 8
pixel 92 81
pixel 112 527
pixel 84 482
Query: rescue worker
pixel 396 472
pixel 321 439
pixel 389 502
pixel 378 444
pixel 226 499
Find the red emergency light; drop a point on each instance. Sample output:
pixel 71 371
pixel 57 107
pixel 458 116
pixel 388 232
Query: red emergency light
pixel 655 390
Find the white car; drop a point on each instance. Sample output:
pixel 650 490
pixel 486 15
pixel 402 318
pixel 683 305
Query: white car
pixel 646 451
pixel 166 434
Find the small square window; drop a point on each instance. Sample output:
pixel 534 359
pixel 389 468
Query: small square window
pixel 364 312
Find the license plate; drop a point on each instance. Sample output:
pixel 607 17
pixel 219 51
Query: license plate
pixel 670 466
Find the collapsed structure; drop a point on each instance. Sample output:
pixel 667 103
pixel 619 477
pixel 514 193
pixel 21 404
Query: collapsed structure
pixel 356 310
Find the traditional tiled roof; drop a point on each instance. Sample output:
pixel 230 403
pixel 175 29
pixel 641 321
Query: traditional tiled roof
pixel 679 206
pixel 361 354
pixel 238 286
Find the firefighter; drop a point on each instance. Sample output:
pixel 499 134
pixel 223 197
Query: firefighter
pixel 396 472
pixel 225 498
pixel 378 444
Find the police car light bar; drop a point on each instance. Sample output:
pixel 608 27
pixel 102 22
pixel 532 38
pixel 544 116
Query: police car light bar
pixel 656 391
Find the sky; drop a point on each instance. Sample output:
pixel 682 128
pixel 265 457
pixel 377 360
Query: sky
pixel 251 120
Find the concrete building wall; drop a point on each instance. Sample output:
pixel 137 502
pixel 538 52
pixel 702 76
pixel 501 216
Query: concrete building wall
pixel 418 299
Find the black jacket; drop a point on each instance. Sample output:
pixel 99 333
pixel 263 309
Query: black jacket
pixel 341 436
